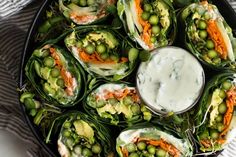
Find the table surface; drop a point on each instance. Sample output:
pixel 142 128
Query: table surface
pixel 11 146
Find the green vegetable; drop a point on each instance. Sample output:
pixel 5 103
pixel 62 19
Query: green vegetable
pixel 141 145
pixel 111 59
pixel 202 24
pixel 210 44
pixel 91 8
pixel 161 153
pixel 212 54
pixel 90 49
pixel 156 29
pixel 145 15
pixel 131 147
pixel 153 19
pixel 151 149
pixel 227 85
pixel 49 62
pixel 195 18
pixel 47 78
pixel 147 7
pixel 222 108
pixel 214 134
pixel 96 149
pixel 101 48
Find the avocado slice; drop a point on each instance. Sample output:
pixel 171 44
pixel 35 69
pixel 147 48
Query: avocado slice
pixel 84 129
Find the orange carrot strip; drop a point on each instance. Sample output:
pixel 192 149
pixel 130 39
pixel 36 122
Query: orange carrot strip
pixel 125 152
pixel 217 38
pixel 146 34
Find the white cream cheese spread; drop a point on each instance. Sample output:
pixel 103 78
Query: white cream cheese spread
pixel 171 80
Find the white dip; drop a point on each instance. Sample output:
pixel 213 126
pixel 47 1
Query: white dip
pixel 171 80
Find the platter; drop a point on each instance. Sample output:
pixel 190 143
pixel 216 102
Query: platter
pixel 91 80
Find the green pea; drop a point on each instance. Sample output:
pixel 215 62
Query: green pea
pixel 112 101
pixel 131 147
pixel 202 24
pixel 29 103
pixel 151 149
pixel 156 29
pixel 161 152
pixel 204 135
pixel 145 15
pixel 222 94
pixel 87 152
pixel 49 62
pixel 153 39
pixel 147 7
pixel 134 154
pixel 55 72
pixel 203 34
pixel 227 85
pixel 69 142
pixel 212 54
pixel 128 100
pixel 91 2
pixel 210 44
pixel 216 60
pixel 104 56
pixel 133 54
pixel 67 125
pixel 222 108
pixel 136 109
pixel 79 44
pixel 100 103
pixel 90 48
pixel 207 16
pixel 141 145
pixel 214 134
pixel 101 48
pixel 153 19
pixel 114 58
pixel 78 149
pixel 82 3
pixel 60 82
pixel 66 133
pixel 220 127
pixel 219 118
pixel 96 149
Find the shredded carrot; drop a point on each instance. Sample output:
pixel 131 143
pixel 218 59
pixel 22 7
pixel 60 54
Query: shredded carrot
pixel 208 143
pixel 82 18
pixel 66 76
pixel 217 38
pixel 171 149
pixel 146 34
pixel 121 94
pixel 95 58
pixel 125 152
pixel 230 102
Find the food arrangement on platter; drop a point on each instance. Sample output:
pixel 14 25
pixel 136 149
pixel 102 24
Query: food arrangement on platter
pixel 124 78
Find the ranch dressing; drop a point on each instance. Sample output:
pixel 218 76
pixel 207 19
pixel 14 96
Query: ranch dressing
pixel 171 80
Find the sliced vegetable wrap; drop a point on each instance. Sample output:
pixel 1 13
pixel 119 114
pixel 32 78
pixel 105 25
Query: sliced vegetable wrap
pixel 208 36
pixel 216 117
pixel 144 140
pixel 116 104
pixel 102 52
pixel 83 12
pixel 82 136
pixel 151 23
pixel 55 75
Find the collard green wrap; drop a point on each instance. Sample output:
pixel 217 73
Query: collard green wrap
pixel 56 75
pixel 151 23
pixel 81 136
pixel 84 12
pixel 148 140
pixel 208 36
pixel 116 104
pixel 102 52
pixel 216 118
